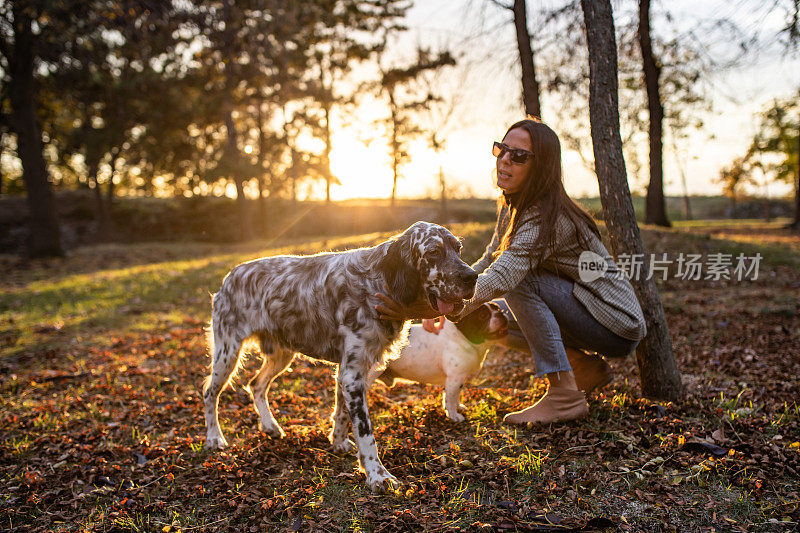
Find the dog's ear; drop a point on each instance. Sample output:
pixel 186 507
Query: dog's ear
pixel 475 325
pixel 401 276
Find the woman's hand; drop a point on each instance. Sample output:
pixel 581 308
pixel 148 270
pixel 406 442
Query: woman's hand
pixel 394 310
pixel 431 324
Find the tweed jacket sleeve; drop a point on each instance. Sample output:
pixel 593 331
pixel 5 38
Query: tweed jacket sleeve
pixel 510 267
pixel 486 259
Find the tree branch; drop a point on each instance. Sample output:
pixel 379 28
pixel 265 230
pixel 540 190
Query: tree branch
pixel 501 4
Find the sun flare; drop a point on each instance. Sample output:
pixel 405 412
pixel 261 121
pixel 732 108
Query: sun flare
pixel 363 168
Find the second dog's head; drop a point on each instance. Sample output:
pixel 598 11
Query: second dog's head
pixel 424 261
pixel 486 323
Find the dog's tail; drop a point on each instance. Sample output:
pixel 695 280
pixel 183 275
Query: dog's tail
pixel 209 330
pixel 217 334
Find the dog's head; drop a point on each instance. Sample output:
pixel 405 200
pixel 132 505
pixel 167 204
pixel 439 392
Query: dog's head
pixel 424 261
pixel 486 323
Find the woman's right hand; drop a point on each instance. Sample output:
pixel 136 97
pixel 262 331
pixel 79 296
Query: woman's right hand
pixel 431 325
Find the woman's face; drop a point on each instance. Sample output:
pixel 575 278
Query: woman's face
pixel 511 176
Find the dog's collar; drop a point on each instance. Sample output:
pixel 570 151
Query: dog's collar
pixel 466 338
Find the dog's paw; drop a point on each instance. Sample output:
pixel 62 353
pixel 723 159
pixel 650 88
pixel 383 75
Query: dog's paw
pixel 272 430
pixel 456 417
pixel 217 442
pixel 345 446
pixel 382 482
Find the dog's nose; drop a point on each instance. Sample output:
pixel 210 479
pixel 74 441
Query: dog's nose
pixel 469 277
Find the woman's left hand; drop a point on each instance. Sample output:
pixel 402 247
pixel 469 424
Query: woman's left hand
pixel 394 310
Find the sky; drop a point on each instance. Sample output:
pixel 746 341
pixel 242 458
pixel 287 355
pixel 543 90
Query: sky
pixel 487 91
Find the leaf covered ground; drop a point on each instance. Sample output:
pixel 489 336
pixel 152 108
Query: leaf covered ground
pixel 102 357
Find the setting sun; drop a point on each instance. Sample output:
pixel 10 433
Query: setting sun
pixel 364 168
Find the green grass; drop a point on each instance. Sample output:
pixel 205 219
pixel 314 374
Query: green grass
pixel 703 207
pixel 730 222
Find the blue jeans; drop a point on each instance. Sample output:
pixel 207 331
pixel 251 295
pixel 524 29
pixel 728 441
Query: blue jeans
pixel 544 315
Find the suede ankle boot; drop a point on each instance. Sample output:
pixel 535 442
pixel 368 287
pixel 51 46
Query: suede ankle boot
pixel 559 404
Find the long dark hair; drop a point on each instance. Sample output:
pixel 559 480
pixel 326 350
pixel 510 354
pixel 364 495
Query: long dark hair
pixel 544 190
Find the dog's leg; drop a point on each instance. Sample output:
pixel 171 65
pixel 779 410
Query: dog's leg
pixel 273 365
pixel 452 392
pixel 226 350
pixel 352 381
pixel 341 425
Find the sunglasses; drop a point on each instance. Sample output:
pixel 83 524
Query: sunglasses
pixel 519 156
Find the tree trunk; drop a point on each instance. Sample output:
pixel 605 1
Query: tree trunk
pixel 98 198
pixel 2 150
pixel 796 223
pixel 326 154
pixel 245 231
pixel 92 168
pixel 687 206
pixel 659 373
pixel 395 145
pixel 262 206
pixel 231 77
pixel 102 206
pixel 110 194
pixel 443 215
pixel 262 151
pixel 530 87
pixel 45 238
pixel 293 175
pixel 655 210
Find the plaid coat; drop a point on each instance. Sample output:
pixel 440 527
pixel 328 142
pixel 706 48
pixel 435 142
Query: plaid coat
pixel 610 298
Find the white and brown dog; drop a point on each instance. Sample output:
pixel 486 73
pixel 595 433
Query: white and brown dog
pixel 450 357
pixel 324 307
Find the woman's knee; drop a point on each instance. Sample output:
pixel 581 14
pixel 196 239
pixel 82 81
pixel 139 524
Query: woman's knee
pixel 519 301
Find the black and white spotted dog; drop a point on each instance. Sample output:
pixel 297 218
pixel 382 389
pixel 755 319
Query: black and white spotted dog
pixel 323 306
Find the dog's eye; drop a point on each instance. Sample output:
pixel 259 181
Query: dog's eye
pixel 433 254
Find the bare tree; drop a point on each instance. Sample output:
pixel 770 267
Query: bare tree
pixel 733 176
pixel 20 43
pixel 2 151
pixel 530 86
pixel 659 372
pixel 340 42
pixel 655 208
pixel 405 100
pixel 777 138
pixel 791 31
pixel 796 223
